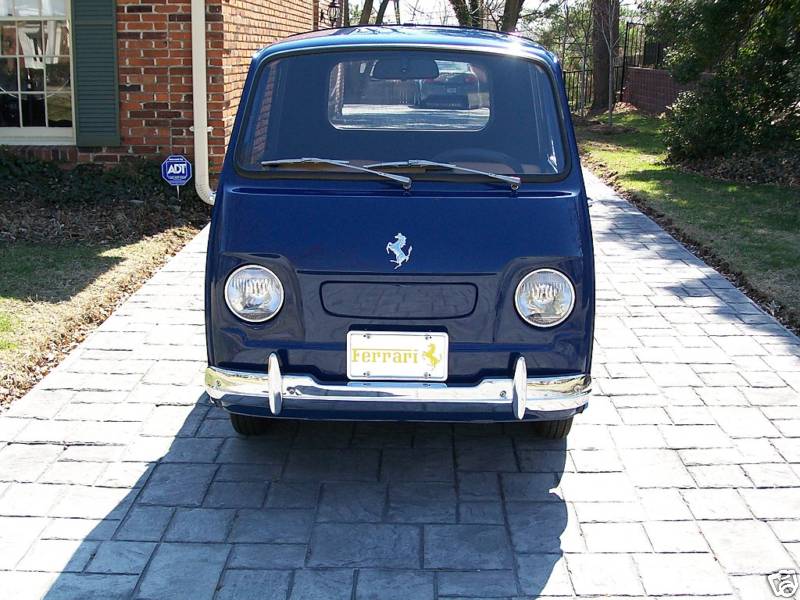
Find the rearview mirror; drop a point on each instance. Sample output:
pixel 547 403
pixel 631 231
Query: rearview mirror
pixel 405 68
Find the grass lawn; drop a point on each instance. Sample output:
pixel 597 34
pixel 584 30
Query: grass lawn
pixel 51 296
pixel 752 230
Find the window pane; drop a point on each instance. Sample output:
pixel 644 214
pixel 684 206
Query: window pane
pixel 59 110
pixel 54 8
pixel 33 110
pixel 8 39
pixel 56 37
pixel 33 78
pixel 9 110
pixel 27 8
pixel 445 94
pixel 8 75
pixel 30 38
pixel 57 69
pixel 31 62
pixel 6 8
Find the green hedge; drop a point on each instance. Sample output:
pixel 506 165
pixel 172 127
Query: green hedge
pixel 33 179
pixel 726 117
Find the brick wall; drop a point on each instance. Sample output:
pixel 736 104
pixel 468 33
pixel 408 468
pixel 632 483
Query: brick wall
pixel 155 72
pixel 249 25
pixel 651 90
pixel 155 77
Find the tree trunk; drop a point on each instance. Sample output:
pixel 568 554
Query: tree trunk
pixel 346 13
pixel 461 11
pixel 381 12
pixel 366 13
pixel 468 12
pixel 476 13
pixel 610 87
pixel 511 15
pixel 582 101
pixel 603 36
pixel 566 32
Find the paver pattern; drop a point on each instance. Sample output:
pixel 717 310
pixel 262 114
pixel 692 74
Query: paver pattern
pixel 119 480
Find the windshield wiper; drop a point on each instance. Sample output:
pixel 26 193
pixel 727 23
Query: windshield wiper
pixel 292 162
pixel 433 165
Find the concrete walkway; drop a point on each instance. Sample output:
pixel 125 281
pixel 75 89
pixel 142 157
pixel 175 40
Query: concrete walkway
pixel 118 480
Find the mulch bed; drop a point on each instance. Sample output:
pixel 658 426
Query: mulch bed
pixel 777 167
pixel 37 221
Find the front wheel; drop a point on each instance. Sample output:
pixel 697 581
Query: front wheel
pixel 553 430
pixel 247 425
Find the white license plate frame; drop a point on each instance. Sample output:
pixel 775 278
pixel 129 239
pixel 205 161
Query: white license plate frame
pixel 397 355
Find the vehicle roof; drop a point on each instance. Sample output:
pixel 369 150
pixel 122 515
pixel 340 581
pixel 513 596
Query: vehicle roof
pixel 423 35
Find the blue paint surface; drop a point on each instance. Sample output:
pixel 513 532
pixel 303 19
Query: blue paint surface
pixel 317 231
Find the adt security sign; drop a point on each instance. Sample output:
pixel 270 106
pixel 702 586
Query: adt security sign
pixel 176 170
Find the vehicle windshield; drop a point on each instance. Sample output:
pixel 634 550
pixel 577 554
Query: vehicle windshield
pixel 479 111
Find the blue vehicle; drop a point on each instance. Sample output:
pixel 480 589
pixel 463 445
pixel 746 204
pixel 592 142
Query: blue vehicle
pixel 372 257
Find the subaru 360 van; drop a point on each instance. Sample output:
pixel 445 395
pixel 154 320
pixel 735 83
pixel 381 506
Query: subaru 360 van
pixel 401 232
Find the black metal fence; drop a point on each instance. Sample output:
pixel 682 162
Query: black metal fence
pixel 635 50
pixel 640 49
pixel 580 89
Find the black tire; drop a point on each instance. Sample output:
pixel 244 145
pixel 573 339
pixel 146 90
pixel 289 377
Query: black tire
pixel 553 430
pixel 247 425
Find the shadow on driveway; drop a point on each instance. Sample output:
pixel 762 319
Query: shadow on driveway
pixel 318 510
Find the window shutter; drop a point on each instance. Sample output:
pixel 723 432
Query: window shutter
pixel 94 35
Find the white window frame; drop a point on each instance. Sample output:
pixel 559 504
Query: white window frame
pixel 41 136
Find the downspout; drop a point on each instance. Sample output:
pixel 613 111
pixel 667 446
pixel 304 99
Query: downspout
pixel 199 102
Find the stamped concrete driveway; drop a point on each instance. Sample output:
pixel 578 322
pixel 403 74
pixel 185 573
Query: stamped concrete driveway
pixel 118 480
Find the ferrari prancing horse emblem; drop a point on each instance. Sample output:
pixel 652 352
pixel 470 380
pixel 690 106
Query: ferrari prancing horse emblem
pixel 396 248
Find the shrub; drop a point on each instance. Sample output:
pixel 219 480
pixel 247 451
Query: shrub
pixel 41 202
pixel 706 122
pixel 725 116
pixel 752 100
pixel 33 179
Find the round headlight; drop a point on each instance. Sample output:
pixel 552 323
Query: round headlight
pixel 254 293
pixel 545 297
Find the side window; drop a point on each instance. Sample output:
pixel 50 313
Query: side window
pixel 257 130
pixel 546 120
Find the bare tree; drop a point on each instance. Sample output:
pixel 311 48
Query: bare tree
pixel 435 12
pixel 501 14
pixel 566 32
pixel 511 12
pixel 381 12
pixel 414 10
pixel 366 13
pixel 605 40
pixel 468 12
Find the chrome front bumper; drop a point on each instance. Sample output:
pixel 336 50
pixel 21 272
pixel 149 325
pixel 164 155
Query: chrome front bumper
pixel 517 395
